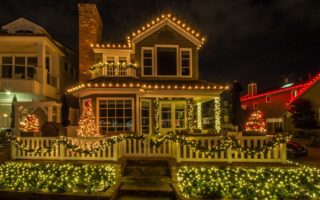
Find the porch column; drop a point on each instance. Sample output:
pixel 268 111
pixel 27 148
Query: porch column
pixel 137 121
pixel 58 114
pixel 49 113
pixel 16 119
pixel 199 115
pixel 217 114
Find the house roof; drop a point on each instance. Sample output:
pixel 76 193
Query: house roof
pixel 154 25
pixel 301 89
pixel 131 82
pixel 23 24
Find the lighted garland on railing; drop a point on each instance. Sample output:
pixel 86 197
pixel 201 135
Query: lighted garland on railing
pixel 69 144
pixel 112 66
pixel 226 143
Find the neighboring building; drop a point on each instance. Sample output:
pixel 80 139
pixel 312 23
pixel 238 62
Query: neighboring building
pixel 276 103
pixel 33 66
pixel 149 84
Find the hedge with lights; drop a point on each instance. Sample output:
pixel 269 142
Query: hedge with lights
pixel 250 183
pixel 36 177
pixel 112 66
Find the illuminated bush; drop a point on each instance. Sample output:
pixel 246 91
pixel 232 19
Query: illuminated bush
pixel 250 183
pixel 36 177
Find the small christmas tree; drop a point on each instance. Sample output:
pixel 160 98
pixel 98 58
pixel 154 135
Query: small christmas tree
pixel 87 123
pixel 30 124
pixel 256 122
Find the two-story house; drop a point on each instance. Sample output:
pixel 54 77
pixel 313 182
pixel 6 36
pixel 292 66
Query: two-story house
pixel 33 67
pixel 150 84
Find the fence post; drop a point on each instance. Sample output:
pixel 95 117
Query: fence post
pixel 283 153
pixel 61 150
pixel 229 155
pixel 178 154
pixel 13 151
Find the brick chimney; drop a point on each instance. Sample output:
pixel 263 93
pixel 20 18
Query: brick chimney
pixel 252 89
pixel 90 30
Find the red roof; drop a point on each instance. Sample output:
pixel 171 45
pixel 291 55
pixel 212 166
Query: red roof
pixel 301 88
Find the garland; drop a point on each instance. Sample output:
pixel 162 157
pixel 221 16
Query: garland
pixel 228 142
pixel 155 105
pixel 112 66
pixel 191 114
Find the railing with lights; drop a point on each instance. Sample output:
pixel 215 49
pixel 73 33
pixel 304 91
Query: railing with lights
pixel 114 72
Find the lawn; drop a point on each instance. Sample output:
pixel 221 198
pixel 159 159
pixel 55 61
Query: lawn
pixel 43 177
pixel 299 182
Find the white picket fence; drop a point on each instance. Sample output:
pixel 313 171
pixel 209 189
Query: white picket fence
pixel 144 148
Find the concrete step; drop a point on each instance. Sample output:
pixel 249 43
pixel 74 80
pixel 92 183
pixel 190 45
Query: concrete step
pixel 140 162
pixel 146 170
pixel 146 180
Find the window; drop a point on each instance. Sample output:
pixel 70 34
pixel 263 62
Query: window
pixel 179 116
pixel 32 63
pixel 110 59
pixel 115 115
pixel 48 64
pixel 19 69
pixel 166 116
pixel 123 60
pixel 166 61
pixel 147 62
pixel 185 62
pixel 7 67
pixel 145 116
pixel 268 99
pixel 244 107
pixel 173 115
pixel 255 106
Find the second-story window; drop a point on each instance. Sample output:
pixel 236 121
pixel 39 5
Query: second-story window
pixel 167 61
pixel 19 70
pixel 123 60
pixel 147 62
pixel 110 59
pixel 185 62
pixel 98 57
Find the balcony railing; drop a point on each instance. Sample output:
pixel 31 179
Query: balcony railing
pixel 114 72
pixel 26 72
pixel 9 71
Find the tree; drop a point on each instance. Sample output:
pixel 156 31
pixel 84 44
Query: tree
pixel 256 122
pixel 302 114
pixel 12 115
pixel 30 124
pixel 65 111
pixel 87 123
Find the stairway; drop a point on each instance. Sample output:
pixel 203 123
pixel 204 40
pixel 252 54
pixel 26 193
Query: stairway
pixel 146 179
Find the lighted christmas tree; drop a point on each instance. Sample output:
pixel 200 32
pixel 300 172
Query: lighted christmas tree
pixel 30 124
pixel 87 123
pixel 256 122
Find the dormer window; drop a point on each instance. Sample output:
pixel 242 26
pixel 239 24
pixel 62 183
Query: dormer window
pixel 24 31
pixel 147 61
pixel 185 62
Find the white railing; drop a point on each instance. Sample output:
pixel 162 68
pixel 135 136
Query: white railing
pixel 144 148
pixel 114 72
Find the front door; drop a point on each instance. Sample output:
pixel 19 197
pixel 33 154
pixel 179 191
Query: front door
pixel 172 116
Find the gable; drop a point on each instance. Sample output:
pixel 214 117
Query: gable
pixel 25 25
pixel 167 20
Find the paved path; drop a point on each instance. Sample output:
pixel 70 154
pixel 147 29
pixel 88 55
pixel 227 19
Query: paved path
pixel 313 158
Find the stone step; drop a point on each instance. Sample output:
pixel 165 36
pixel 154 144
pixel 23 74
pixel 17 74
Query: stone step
pixel 163 191
pixel 146 170
pixel 146 180
pixel 163 163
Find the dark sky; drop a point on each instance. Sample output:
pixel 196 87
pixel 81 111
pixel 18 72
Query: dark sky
pixel 247 40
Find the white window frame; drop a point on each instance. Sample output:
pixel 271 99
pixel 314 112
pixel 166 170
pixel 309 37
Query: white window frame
pixel 156 58
pixel 142 61
pixel 173 113
pixel 115 98
pixel 190 61
pixel 268 96
pixel 150 115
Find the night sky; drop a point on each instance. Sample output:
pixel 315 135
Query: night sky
pixel 247 40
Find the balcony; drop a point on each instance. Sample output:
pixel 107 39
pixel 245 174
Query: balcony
pixel 113 70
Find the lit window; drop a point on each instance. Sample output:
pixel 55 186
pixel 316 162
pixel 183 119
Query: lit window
pixel 179 116
pixel 122 60
pixel 255 106
pixel 110 59
pixel 147 62
pixel 268 99
pixel 115 115
pixel 166 116
pixel 185 62
pixel 244 107
pixel 145 116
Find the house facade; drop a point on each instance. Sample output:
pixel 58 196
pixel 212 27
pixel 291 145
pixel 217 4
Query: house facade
pixel 33 67
pixel 150 84
pixel 275 103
